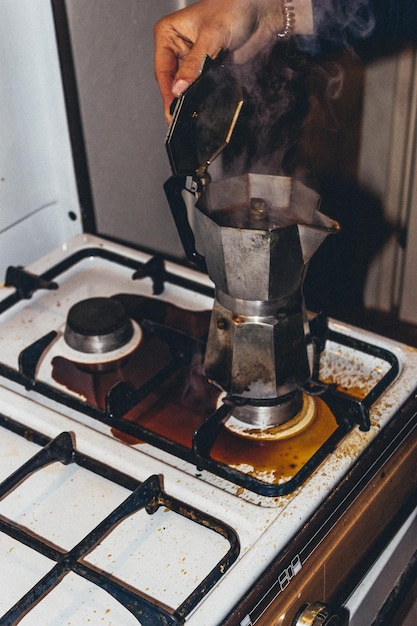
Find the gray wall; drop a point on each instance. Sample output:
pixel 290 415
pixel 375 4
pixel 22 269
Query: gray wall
pixel 123 117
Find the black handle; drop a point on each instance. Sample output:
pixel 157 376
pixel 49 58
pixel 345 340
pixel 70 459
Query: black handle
pixel 173 188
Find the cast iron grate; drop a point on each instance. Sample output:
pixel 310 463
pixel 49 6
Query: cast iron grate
pixel 121 398
pixel 148 495
pixel 347 410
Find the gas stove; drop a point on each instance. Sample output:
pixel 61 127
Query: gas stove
pixel 132 492
pixel 125 497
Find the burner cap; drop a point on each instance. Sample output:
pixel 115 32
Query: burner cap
pixel 97 325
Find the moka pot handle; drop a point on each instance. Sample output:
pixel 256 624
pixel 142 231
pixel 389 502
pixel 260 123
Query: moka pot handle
pixel 173 188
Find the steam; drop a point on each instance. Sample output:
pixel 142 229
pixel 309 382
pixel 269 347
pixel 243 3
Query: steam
pixel 284 89
pixel 339 24
pixel 276 103
pixel 293 86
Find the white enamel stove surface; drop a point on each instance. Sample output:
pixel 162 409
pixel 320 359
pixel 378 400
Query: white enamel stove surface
pixel 162 555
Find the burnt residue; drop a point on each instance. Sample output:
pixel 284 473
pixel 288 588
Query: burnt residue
pixel 94 381
pixel 276 461
pixel 186 401
pixel 186 398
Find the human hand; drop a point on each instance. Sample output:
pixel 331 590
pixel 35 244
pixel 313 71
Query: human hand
pixel 184 38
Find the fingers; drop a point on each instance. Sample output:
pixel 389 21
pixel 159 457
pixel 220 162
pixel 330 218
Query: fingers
pixel 207 43
pixel 182 41
pixel 168 49
pixel 184 38
pixel 165 69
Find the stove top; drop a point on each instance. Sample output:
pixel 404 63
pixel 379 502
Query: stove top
pixel 124 441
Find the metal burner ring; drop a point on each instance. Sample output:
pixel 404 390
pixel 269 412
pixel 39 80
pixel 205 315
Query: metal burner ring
pixel 280 431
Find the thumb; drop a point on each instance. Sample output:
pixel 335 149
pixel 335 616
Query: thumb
pixel 189 71
pixel 192 63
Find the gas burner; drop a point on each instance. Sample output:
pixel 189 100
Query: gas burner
pixel 98 330
pixel 97 325
pixel 284 430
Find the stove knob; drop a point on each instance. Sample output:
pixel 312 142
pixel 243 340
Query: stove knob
pixel 319 614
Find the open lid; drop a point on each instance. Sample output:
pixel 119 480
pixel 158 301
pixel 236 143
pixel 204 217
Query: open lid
pixel 204 118
pixel 41 203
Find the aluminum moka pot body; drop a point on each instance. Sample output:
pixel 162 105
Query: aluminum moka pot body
pixel 258 233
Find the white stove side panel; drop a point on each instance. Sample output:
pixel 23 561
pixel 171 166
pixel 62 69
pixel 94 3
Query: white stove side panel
pixel 39 206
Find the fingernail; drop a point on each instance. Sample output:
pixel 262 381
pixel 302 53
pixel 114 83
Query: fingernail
pixel 179 87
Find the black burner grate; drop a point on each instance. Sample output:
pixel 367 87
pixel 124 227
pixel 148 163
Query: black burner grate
pixel 122 398
pixel 148 495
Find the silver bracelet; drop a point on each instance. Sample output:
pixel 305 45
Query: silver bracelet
pixel 289 19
